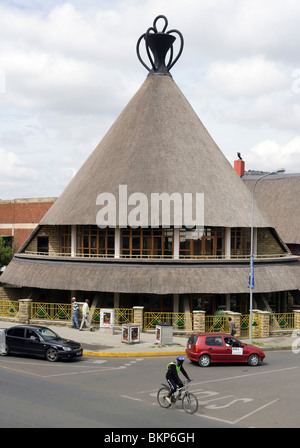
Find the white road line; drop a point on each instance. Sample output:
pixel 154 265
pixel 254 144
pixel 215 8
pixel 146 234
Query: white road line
pixel 239 419
pixel 267 372
pixel 131 398
pixel 103 369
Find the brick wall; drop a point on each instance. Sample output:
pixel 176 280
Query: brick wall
pixel 19 217
pixel 267 244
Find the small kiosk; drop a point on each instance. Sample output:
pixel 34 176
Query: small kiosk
pixel 130 333
pixel 164 334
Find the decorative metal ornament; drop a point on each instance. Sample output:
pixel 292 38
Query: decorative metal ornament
pixel 158 44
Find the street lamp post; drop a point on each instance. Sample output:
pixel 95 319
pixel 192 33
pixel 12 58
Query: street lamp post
pixel 251 274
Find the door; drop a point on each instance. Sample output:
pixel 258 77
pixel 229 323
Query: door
pixel 32 344
pixel 15 339
pixel 235 350
pixel 216 348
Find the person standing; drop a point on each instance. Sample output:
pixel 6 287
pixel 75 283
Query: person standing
pixel 75 323
pixel 232 327
pixel 85 315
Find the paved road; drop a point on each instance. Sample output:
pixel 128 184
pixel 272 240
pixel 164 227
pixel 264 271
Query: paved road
pixel 121 393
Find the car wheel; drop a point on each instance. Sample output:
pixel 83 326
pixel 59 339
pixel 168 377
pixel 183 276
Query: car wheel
pixel 4 350
pixel 204 361
pixel 253 360
pixel 51 355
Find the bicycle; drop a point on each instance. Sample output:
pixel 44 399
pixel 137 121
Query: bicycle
pixel 189 400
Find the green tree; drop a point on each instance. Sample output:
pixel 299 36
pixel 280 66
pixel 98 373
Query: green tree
pixel 5 253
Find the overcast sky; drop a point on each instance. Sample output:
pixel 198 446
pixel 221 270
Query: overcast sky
pixel 68 69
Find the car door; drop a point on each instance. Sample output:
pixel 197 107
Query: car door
pixel 15 339
pixel 32 343
pixel 216 348
pixel 235 350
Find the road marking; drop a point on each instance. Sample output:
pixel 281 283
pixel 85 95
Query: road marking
pixel 241 418
pixel 243 400
pixel 245 376
pixel 20 371
pixel 131 398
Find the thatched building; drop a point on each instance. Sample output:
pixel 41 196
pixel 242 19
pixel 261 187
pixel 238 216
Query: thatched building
pixel 158 145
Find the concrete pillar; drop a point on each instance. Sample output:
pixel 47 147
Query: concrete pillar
pixel 73 240
pixel 176 243
pixel 199 321
pixel 24 311
pixel 117 242
pixel 138 316
pixel 297 319
pixel 262 319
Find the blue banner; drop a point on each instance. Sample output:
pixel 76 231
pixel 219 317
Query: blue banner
pixel 251 273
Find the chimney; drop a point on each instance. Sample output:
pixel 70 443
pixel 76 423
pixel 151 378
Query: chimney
pixel 239 165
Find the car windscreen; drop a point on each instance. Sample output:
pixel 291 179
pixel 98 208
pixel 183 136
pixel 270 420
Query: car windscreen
pixel 47 334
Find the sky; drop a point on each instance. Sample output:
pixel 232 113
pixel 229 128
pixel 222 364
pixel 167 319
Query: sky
pixel 68 69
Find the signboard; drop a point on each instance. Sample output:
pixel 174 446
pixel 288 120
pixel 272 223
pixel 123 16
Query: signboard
pixel 107 318
pixel 237 350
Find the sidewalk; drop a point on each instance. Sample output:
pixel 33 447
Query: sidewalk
pixel 104 344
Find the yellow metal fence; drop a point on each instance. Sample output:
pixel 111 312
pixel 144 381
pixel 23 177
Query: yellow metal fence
pixel 282 321
pixel 179 321
pixel 9 308
pixel 63 312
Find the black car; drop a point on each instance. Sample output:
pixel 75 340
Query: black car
pixel 39 341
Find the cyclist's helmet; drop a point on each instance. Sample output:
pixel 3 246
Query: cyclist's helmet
pixel 180 359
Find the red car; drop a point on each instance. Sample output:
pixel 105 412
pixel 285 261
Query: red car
pixel 221 347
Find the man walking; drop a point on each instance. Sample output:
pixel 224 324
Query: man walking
pixel 75 323
pixel 85 315
pixel 232 327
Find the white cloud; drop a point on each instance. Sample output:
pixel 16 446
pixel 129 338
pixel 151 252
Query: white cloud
pixel 70 68
pixel 12 168
pixel 269 155
pixel 246 77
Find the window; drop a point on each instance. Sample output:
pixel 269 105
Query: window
pixel 93 241
pixel 65 240
pixel 146 242
pixel 210 244
pixel 240 241
pixel 43 244
pixel 214 341
pixel 17 332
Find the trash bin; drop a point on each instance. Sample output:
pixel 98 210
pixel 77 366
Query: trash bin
pixel 164 334
pixel 130 333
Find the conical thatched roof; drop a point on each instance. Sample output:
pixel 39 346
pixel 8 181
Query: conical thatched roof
pixel 158 145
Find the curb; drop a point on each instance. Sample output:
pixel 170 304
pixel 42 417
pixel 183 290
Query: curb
pixel 148 354
pixel 132 354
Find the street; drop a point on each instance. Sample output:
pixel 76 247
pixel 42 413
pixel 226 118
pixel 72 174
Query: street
pixel 121 393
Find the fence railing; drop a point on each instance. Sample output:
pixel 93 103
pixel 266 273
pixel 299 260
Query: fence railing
pixel 282 321
pixel 218 323
pixel 9 308
pixel 179 321
pixel 63 312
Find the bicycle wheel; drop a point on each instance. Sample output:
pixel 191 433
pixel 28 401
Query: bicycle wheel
pixel 190 403
pixel 161 397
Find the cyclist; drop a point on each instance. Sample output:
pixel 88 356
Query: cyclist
pixel 173 368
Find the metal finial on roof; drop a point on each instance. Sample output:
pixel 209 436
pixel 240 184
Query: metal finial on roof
pixel 160 43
